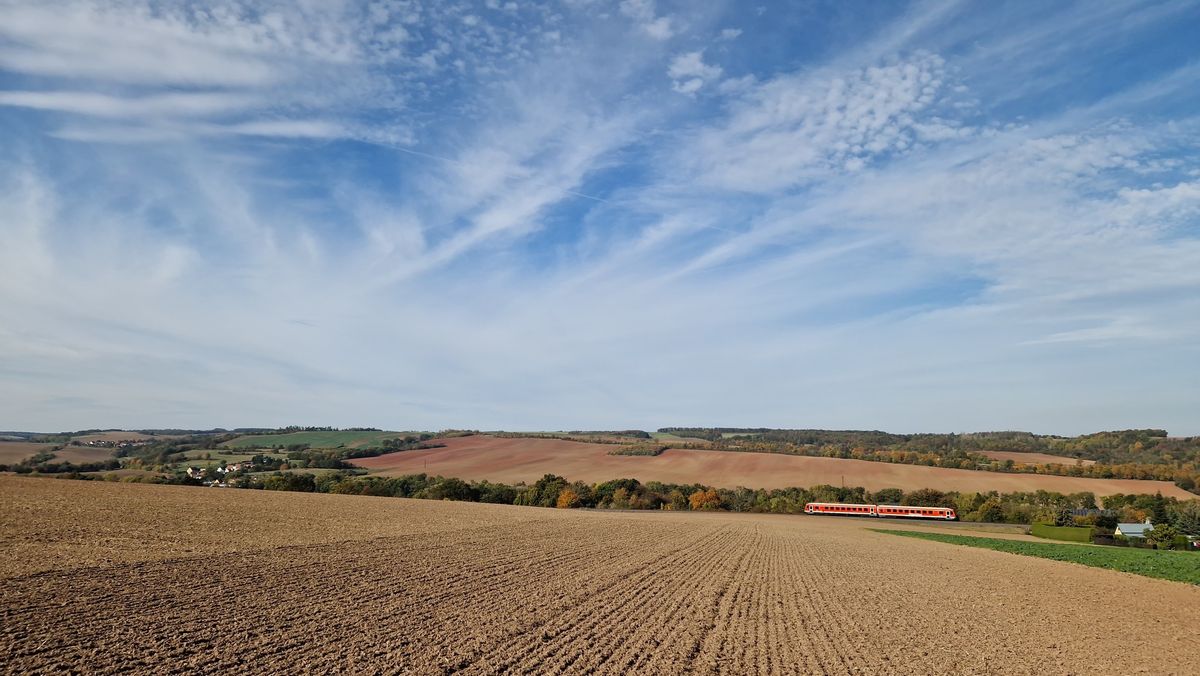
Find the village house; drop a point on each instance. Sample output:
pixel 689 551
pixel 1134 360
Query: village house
pixel 1134 530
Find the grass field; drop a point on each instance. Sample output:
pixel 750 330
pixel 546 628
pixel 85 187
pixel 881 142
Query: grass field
pixel 522 459
pixel 315 439
pixel 216 456
pixel 1177 566
pixel 103 577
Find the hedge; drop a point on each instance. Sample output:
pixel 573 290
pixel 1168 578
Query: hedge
pixel 1067 533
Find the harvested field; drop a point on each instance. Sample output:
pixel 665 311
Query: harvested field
pixel 125 473
pixel 79 454
pixel 15 451
pixel 364 585
pixel 1035 458
pixel 514 460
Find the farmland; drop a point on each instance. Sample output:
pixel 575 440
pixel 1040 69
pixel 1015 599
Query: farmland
pixel 1179 566
pixel 200 580
pixel 1034 458
pixel 321 439
pixel 16 451
pixel 513 460
pixel 82 454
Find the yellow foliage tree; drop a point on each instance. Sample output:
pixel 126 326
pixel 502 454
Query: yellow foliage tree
pixel 705 500
pixel 567 499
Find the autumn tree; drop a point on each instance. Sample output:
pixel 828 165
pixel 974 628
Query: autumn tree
pixel 568 499
pixel 705 500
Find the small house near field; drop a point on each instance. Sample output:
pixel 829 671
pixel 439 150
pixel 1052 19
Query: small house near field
pixel 1134 530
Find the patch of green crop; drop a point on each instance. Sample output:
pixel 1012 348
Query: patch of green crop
pixel 1164 565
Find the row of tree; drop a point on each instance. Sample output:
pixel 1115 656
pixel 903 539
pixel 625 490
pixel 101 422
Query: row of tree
pixel 556 491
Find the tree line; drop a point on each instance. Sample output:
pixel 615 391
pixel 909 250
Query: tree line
pixel 556 491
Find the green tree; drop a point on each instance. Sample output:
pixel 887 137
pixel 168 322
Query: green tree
pixel 928 497
pixel 991 511
pixel 1185 517
pixel 676 501
pixel 888 496
pixel 1163 536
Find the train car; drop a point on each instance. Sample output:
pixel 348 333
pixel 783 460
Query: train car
pixel 906 512
pixel 839 508
pixel 886 511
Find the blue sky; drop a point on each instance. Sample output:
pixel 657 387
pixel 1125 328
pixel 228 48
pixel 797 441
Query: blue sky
pixel 938 216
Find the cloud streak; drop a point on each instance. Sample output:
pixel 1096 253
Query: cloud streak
pixel 492 216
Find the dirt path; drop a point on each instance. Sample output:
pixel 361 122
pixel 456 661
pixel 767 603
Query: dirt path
pixel 534 590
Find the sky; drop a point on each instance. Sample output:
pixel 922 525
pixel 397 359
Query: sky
pixel 917 217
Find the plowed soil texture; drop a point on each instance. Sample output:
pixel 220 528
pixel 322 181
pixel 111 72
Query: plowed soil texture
pixel 511 460
pixel 227 581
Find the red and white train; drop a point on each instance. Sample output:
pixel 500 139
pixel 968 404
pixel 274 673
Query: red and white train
pixel 836 508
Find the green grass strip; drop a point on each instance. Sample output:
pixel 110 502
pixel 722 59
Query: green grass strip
pixel 1164 565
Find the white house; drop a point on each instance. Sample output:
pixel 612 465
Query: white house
pixel 1134 530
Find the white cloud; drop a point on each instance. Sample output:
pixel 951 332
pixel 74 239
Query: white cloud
pixel 728 34
pixel 692 64
pixel 798 127
pixel 644 13
pixel 689 73
pixel 193 104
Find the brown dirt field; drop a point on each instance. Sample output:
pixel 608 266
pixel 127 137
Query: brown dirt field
pixel 514 460
pixel 16 451
pixel 432 587
pixel 124 473
pixel 78 454
pixel 1034 458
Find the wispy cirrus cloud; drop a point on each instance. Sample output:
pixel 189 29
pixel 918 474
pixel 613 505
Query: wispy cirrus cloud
pixel 505 215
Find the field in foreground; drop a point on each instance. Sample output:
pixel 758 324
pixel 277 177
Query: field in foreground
pixel 513 460
pixel 301 582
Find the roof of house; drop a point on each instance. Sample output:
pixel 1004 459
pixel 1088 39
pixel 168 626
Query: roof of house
pixel 1134 528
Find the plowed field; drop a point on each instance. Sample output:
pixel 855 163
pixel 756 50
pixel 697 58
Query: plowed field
pixel 16 451
pixel 512 460
pixel 428 587
pixel 1035 458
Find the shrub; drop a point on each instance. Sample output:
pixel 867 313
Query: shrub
pixel 1067 533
